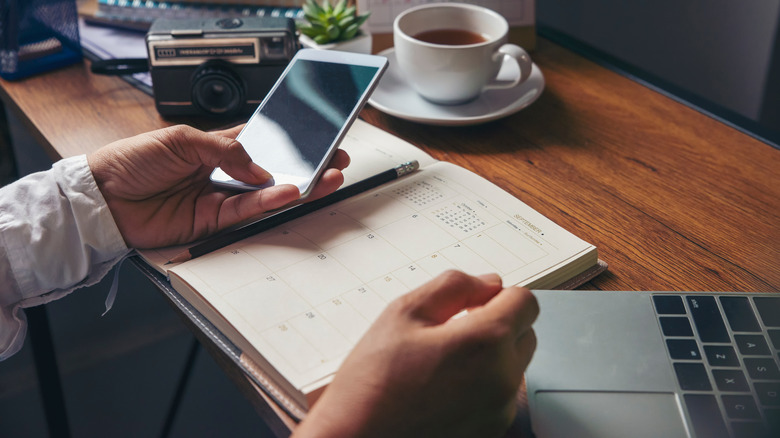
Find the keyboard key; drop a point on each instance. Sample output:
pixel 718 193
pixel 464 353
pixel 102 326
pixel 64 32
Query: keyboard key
pixel 669 305
pixel 768 393
pixel 749 429
pixel 740 314
pixel 721 356
pixel 774 335
pixel 676 326
pixel 692 376
pixel 707 318
pixel 773 418
pixel 685 349
pixel 762 368
pixel 705 415
pixel 769 309
pixel 731 380
pixel 741 406
pixel 752 345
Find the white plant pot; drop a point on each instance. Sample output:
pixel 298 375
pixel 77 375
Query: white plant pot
pixel 361 43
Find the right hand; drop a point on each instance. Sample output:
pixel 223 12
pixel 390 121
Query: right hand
pixel 418 372
pixel 158 190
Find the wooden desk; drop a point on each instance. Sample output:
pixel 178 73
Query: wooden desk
pixel 673 199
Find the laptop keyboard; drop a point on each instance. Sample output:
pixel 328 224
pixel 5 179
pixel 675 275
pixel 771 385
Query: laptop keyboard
pixel 725 350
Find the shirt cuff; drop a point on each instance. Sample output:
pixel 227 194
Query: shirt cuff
pixel 56 234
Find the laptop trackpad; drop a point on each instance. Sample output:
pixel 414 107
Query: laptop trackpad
pixel 607 414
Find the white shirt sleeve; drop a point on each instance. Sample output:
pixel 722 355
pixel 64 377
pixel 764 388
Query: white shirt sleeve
pixel 56 234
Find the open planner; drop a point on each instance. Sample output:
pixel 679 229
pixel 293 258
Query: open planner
pixel 295 299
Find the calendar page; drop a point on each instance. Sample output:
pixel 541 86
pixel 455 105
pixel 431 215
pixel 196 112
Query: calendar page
pixel 302 294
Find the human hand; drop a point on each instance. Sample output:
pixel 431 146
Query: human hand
pixel 158 190
pixel 419 372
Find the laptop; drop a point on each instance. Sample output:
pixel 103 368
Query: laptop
pixel 655 364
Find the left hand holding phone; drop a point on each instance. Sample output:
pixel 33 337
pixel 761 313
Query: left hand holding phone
pixel 158 190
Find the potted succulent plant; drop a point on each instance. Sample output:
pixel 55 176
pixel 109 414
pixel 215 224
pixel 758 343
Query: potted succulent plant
pixel 334 27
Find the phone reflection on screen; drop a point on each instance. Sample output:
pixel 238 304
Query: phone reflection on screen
pixel 293 129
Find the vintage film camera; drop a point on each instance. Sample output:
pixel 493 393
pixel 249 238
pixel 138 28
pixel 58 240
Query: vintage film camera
pixel 217 66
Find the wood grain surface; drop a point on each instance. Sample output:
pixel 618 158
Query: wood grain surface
pixel 673 199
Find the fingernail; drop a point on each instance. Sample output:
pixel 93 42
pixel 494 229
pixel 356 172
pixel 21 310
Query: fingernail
pixel 259 172
pixel 493 279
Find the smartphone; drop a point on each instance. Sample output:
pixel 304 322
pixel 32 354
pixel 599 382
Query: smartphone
pixel 298 126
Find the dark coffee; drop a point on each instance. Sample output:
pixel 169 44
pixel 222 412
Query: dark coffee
pixel 450 37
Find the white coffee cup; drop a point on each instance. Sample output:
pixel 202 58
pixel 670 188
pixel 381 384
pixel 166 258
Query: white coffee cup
pixel 449 73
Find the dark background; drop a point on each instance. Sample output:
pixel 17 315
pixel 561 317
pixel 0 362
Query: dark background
pixel 722 56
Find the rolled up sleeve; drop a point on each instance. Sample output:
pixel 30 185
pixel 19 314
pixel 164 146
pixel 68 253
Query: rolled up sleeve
pixel 56 235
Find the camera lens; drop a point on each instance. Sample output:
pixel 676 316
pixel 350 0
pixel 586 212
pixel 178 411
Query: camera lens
pixel 216 89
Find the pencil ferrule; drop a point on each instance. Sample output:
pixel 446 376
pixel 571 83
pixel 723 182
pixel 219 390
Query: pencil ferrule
pixel 407 168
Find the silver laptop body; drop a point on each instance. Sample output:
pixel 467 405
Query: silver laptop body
pixel 655 364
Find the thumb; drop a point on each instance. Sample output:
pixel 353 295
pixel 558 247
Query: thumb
pixel 443 297
pixel 215 150
pixel 237 163
pixel 230 132
pixel 514 306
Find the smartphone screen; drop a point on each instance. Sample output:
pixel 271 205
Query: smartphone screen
pixel 298 126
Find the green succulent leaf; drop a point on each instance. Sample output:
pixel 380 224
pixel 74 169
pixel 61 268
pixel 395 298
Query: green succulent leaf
pixel 350 32
pixel 333 32
pixel 340 6
pixel 310 31
pixel 321 39
pixel 313 7
pixel 346 22
pixel 311 18
pixel 326 22
pixel 362 19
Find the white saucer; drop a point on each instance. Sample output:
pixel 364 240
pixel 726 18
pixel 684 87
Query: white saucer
pixel 394 96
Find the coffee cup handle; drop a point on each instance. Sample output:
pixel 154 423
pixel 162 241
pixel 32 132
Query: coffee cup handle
pixel 523 62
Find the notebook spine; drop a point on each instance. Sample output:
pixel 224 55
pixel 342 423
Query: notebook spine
pixel 235 354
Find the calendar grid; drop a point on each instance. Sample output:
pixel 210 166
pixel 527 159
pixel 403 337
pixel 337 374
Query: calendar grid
pixel 299 296
pixel 428 225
